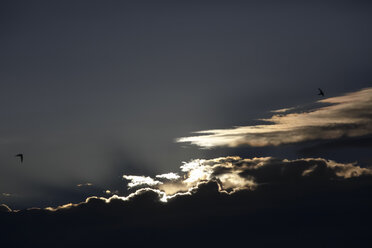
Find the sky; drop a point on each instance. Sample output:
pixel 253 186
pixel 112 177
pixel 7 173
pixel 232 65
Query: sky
pixel 112 100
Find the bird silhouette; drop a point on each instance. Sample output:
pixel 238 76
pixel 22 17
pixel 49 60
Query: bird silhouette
pixel 20 155
pixel 321 93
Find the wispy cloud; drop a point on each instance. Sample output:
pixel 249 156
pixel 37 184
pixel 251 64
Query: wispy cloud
pixel 135 181
pixel 169 176
pixel 84 184
pixel 348 115
pixel 5 208
pixel 283 110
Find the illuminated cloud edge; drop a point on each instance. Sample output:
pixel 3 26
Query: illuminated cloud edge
pixel 233 174
pixel 349 115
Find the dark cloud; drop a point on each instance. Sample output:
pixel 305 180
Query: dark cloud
pixel 346 142
pixel 235 173
pixel 305 202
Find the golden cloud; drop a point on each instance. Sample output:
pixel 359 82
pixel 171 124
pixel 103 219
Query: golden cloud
pixel 348 115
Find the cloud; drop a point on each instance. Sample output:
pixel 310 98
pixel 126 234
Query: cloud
pixel 362 143
pixel 283 110
pixel 349 115
pixel 140 180
pixel 234 173
pixel 308 201
pixel 169 176
pixel 5 208
pixel 84 184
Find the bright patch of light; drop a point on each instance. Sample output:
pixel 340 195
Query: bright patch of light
pixel 169 176
pixel 140 180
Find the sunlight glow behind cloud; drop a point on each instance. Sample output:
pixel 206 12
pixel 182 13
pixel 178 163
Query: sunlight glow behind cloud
pixel 234 173
pixel 169 176
pixel 140 180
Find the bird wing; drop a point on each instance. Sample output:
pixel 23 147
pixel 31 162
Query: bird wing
pixel 20 156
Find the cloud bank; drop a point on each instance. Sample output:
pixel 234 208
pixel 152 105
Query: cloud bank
pixel 218 202
pixel 349 115
pixel 234 173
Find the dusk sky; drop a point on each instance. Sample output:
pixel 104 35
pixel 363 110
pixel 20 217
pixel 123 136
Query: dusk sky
pixel 174 98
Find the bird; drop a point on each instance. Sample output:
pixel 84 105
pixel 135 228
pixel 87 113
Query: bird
pixel 321 93
pixel 20 155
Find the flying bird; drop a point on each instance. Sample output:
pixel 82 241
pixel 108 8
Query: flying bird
pixel 321 93
pixel 20 155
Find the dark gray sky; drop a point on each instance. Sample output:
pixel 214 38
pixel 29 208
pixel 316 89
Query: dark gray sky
pixel 91 90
